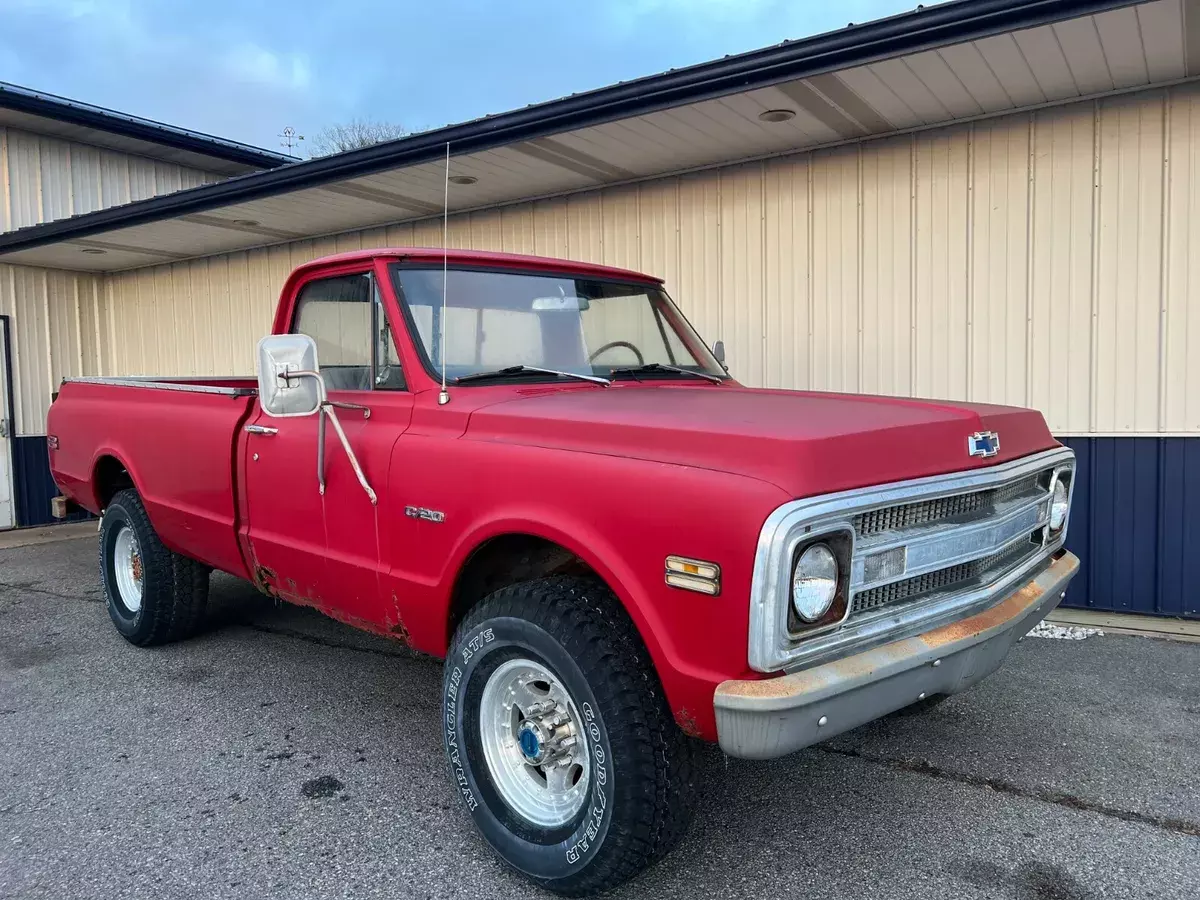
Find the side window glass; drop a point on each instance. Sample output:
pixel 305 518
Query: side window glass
pixel 337 313
pixel 388 375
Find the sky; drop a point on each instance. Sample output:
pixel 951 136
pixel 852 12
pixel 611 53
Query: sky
pixel 246 69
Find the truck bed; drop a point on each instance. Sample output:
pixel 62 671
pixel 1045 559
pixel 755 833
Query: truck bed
pixel 177 438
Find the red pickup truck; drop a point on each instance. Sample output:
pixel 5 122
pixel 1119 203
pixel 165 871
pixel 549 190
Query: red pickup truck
pixel 537 470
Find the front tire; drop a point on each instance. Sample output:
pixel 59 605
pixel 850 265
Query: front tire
pixel 153 596
pixel 559 739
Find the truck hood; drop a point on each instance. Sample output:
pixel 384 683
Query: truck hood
pixel 804 442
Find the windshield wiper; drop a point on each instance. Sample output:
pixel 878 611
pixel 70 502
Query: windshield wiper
pixel 510 371
pixel 662 367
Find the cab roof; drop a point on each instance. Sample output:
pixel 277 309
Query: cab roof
pixel 479 258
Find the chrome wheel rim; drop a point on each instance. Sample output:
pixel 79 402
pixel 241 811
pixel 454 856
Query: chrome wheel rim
pixel 127 566
pixel 532 737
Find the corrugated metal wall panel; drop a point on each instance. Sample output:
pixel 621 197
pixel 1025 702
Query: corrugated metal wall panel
pixel 941 251
pixel 5 193
pixel 32 481
pixel 787 289
pixel 619 239
pixel 53 332
pixel 86 179
pixel 24 179
pixel 1180 364
pixel 34 485
pixel 1061 295
pixel 658 229
pixel 1133 524
pixel 50 178
pixel 888 270
pixel 1129 271
pixel 698 290
pixel 1030 259
pixel 998 287
pixel 836 249
pixel 742 249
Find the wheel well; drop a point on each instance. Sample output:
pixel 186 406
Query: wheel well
pixel 505 560
pixel 109 477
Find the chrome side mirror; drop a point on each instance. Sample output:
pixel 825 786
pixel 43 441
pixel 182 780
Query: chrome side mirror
pixel 289 383
pixel 719 354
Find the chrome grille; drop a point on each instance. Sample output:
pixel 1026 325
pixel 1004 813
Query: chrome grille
pixel 951 576
pixel 964 507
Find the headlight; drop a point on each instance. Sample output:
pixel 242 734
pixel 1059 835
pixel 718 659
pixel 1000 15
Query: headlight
pixel 1060 495
pixel 814 582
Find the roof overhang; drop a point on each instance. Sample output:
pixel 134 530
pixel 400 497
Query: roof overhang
pixel 935 66
pixel 74 121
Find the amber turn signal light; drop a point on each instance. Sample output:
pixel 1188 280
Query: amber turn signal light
pixel 693 575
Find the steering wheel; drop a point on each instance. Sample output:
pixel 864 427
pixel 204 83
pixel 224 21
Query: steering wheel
pixel 641 360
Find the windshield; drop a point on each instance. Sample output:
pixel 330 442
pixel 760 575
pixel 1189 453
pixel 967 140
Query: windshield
pixel 587 326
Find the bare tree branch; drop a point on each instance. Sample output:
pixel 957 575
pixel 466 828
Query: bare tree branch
pixel 354 134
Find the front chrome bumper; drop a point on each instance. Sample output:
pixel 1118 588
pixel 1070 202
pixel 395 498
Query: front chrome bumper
pixel 775 716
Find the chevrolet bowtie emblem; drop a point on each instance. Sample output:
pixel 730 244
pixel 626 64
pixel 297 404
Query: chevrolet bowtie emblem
pixel 983 443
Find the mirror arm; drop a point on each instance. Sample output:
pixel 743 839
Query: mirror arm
pixel 325 408
pixel 328 409
pixel 321 449
pixel 366 410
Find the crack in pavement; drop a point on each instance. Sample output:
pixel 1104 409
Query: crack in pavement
pixel 1058 798
pixel 30 587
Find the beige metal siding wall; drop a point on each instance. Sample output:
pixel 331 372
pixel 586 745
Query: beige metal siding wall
pixel 57 331
pixel 45 178
pixel 1041 259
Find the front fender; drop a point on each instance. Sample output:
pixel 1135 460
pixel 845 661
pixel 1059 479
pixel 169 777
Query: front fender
pixel 621 516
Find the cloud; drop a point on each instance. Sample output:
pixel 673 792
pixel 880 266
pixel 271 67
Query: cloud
pixel 251 62
pixel 214 68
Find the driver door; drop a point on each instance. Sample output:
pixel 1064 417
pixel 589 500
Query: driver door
pixel 314 548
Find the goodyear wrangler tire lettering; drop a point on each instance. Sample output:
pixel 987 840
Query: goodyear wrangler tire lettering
pixel 452 748
pixel 632 793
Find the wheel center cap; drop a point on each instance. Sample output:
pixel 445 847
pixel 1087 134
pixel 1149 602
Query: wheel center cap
pixel 530 743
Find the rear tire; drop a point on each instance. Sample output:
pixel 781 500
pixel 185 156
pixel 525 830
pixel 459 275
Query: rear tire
pixel 618 789
pixel 153 596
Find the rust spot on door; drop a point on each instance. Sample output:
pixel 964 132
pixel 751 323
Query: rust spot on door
pixel 264 579
pixel 395 622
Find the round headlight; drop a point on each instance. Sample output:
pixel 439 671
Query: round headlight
pixel 814 582
pixel 1058 505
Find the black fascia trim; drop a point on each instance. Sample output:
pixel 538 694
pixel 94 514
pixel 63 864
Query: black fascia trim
pixel 85 115
pixel 856 45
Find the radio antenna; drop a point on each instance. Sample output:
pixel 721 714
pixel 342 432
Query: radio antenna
pixel 444 396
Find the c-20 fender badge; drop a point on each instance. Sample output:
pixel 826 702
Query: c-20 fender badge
pixel 429 515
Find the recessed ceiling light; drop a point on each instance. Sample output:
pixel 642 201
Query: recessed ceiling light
pixel 463 179
pixel 92 250
pixel 777 115
pixel 248 223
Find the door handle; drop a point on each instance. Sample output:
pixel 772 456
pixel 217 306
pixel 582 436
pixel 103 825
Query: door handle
pixel 262 429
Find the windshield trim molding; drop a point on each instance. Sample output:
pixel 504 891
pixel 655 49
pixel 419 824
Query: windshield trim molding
pixel 650 284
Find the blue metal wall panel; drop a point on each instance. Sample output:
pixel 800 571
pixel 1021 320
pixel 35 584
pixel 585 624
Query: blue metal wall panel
pixel 34 486
pixel 1130 524
pixel 31 478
